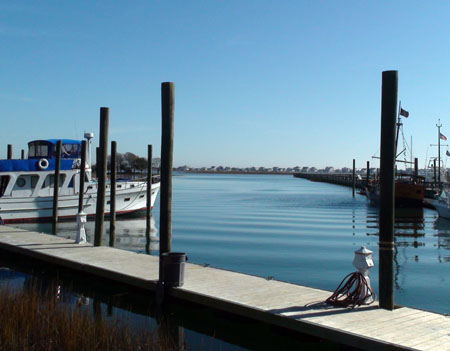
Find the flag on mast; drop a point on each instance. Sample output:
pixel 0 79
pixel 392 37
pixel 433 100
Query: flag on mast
pixel 442 136
pixel 404 113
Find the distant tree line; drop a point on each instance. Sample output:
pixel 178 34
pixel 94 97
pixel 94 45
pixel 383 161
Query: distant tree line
pixel 131 163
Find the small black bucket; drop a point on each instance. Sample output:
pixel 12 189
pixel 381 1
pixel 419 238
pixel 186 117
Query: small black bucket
pixel 173 268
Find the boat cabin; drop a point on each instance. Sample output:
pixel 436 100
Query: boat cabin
pixel 47 149
pixel 34 177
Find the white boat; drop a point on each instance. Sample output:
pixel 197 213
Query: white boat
pixel 26 185
pixel 442 204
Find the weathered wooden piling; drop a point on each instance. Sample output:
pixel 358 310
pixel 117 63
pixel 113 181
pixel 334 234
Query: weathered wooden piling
pixel 367 173
pixel 165 221
pixel 22 154
pixel 416 169
pixel 56 187
pixel 101 175
pixel 9 152
pixel 353 179
pixel 387 188
pixel 82 176
pixel 112 202
pixel 149 199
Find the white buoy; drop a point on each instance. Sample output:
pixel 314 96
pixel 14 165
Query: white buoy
pixel 81 231
pixel 363 262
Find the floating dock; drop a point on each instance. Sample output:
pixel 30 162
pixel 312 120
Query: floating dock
pixel 294 307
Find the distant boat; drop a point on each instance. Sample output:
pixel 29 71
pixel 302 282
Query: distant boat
pixel 409 189
pixel 26 186
pixel 409 192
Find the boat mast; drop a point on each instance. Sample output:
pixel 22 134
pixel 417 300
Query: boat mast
pixel 411 156
pixel 439 125
pixel 399 124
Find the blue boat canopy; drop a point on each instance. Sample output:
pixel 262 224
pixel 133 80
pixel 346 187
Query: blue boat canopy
pixel 47 149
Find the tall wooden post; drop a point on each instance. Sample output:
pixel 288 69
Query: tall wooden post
pixel 22 154
pixel 101 175
pixel 165 221
pixel 368 173
pixel 416 169
pixel 112 202
pixel 149 199
pixel 9 155
pixel 387 189
pixel 82 176
pixel 353 179
pixel 56 187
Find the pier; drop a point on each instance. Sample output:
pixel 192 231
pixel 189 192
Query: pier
pixel 345 179
pixel 289 306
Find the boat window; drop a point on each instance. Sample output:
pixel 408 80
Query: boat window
pixel 4 180
pixel 38 149
pixel 26 182
pixel 34 180
pixel 50 180
pixel 71 182
pixel 71 151
pixel 21 181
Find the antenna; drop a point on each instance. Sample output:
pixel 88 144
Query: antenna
pixel 88 136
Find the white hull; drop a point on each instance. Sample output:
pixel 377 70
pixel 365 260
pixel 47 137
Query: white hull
pixel 442 208
pixel 20 209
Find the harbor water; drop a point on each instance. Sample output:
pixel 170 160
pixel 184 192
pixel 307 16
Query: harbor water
pixel 294 230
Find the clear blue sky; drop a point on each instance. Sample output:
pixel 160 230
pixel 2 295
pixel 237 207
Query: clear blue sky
pixel 258 83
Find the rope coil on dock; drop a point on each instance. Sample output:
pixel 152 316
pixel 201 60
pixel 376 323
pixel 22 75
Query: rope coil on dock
pixel 351 292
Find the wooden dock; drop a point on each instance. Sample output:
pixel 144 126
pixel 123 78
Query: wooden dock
pixel 289 306
pixel 345 179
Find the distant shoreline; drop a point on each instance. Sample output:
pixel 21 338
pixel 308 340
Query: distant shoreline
pixel 238 172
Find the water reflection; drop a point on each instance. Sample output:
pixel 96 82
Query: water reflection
pixel 130 233
pixel 443 238
pixel 409 223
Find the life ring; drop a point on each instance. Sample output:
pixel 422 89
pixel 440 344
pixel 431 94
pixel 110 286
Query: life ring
pixel 43 163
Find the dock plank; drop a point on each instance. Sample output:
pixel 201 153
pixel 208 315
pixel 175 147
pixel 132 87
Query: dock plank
pixel 283 304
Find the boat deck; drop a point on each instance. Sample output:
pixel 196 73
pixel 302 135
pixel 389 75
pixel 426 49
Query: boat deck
pixel 290 306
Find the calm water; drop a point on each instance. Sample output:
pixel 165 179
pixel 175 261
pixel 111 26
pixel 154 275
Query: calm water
pixel 293 230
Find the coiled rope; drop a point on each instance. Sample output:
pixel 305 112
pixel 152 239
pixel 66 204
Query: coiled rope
pixel 351 292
